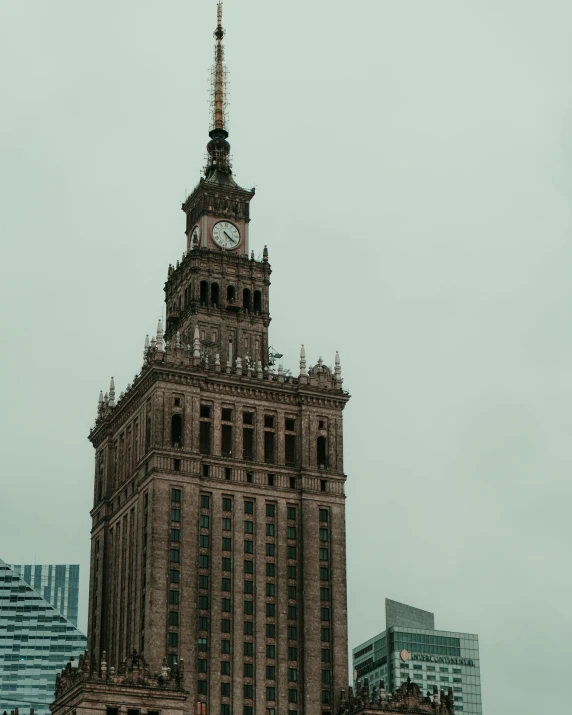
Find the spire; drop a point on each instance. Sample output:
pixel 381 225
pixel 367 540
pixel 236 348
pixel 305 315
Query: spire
pixel 303 370
pixel 218 147
pixel 112 393
pixel 159 342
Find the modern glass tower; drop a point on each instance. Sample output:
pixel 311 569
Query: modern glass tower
pixel 58 584
pixel 410 647
pixel 36 640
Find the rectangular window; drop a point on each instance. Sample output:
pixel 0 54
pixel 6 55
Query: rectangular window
pixel 248 670
pixel 227 504
pixel 325 635
pixel 225 605
pixel 270 672
pixel 269 529
pixel 270 630
pixel 270 480
pixel 292 612
pixel 226 414
pixel 324 515
pixel 202 644
pixel 202 687
pixel 291 552
pixel 205 411
pixel 203 623
pixel 248 547
pixel 205 501
pixel 248 648
pixel 324 573
pixel 173 618
pixel 205 437
pixel 290 532
pixel 249 587
pixel 176 465
pixel 270 589
pixel 173 640
pixel 248 628
pixel 204 521
pixel 225 586
pixel 293 675
pixel 325 655
pixel 248 566
pixel 270 570
pixel 201 666
pixel 324 594
pixel 225 646
pixel 174 555
pixel 292 482
pixel 174 576
pixel 292 513
pixel 292 572
pixel 269 447
pixel 248 444
pixel 248 418
pixel 175 535
pixel 204 541
pixel 225 625
pixel 225 668
pixel 270 693
pixel 325 614
pixel 323 534
pixel 292 696
pixel 248 608
pixel 271 651
pixel 249 507
pixel 226 524
pixel 203 561
pixel 249 477
pixel 289 424
pixel 290 450
pixel 269 421
pixel 248 527
pixel 226 563
pixel 292 633
pixel 227 472
pixel 291 591
pixel 203 603
pixel 270 549
pixel 176 495
pixel 226 544
pixel 292 653
pixel 270 610
pixel 323 554
pixel 325 697
pixel 173 597
pixel 247 691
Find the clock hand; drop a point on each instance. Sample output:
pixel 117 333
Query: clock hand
pixel 229 237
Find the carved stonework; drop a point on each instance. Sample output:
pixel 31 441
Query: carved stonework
pixel 408 698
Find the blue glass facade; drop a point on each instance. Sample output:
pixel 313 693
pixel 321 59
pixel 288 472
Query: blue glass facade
pixel 57 584
pixel 426 656
pixel 36 642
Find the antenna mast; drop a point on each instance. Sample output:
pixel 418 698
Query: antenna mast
pixel 219 77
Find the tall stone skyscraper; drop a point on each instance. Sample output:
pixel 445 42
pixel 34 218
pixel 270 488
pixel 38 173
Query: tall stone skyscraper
pixel 219 518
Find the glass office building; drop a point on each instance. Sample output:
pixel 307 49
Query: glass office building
pixel 411 647
pixel 58 584
pixel 36 642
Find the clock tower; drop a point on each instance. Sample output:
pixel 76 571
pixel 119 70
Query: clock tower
pixel 218 532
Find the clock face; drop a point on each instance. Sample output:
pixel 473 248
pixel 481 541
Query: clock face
pixel 226 235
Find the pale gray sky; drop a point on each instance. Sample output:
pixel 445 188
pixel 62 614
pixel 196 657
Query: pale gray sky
pixel 413 171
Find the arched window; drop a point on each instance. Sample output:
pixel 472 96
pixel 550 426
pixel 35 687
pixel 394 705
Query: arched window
pixel 321 452
pixel 204 292
pixel 257 301
pixel 176 431
pixel 230 293
pixel 246 299
pixel 214 294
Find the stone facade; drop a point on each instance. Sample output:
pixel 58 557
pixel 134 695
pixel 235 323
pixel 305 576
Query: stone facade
pixel 408 698
pixel 131 689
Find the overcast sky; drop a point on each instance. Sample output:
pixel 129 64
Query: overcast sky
pixel 412 161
